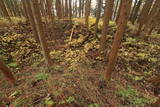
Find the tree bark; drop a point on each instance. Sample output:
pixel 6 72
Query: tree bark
pixel 133 9
pixel 40 30
pixel 107 17
pixel 152 17
pixel 135 14
pixel 87 12
pixel 115 11
pixel 4 10
pixel 98 14
pixel 31 20
pixel 7 73
pixel 144 15
pixel 126 6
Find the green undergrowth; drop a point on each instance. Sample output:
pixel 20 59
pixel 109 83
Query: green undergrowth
pixel 133 98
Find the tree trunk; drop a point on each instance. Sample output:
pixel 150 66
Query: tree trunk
pixel 4 10
pixel 119 10
pixel 31 20
pixel 66 9
pixel 80 7
pixel 98 14
pixel 70 11
pixel 39 27
pixel 58 9
pixel 126 6
pixel 152 17
pixel 115 11
pixel 7 73
pixel 87 12
pixel 135 14
pixel 133 9
pixel 144 15
pixel 25 10
pixel 107 17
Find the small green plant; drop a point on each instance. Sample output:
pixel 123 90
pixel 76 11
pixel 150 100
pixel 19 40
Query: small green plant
pixel 134 97
pixel 41 76
pixel 70 99
pixel 48 101
pixel 93 105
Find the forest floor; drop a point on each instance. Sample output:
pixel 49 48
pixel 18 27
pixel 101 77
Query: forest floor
pixel 76 78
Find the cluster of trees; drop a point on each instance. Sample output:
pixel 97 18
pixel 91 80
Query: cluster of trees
pixel 143 13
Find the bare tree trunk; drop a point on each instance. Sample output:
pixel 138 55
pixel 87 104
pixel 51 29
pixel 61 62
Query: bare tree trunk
pixel 66 9
pixel 144 14
pixel 119 10
pixel 4 10
pixel 87 12
pixel 126 6
pixel 7 73
pixel 98 14
pixel 83 2
pixel 135 14
pixel 58 9
pixel 107 17
pixel 31 19
pixel 133 9
pixel 115 11
pixel 70 11
pixel 80 8
pixel 39 27
pixel 63 9
pixel 152 17
pixel 25 10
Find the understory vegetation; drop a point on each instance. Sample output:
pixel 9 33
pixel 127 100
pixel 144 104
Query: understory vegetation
pixel 76 79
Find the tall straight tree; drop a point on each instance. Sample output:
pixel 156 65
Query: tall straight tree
pixel 31 19
pixel 39 27
pixel 58 9
pixel 119 10
pixel 80 8
pixel 116 8
pixel 4 9
pixel 70 10
pixel 122 23
pixel 106 19
pixel 87 12
pixel 144 14
pixel 133 9
pixel 152 17
pixel 98 14
pixel 66 9
pixel 135 14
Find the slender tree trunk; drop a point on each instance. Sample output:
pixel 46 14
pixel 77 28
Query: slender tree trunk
pixel 119 10
pixel 7 73
pixel 39 27
pixel 98 14
pixel 133 9
pixel 58 9
pixel 4 10
pixel 31 20
pixel 144 14
pixel 83 2
pixel 115 11
pixel 66 9
pixel 63 9
pixel 107 17
pixel 87 12
pixel 126 6
pixel 70 11
pixel 25 10
pixel 152 17
pixel 80 7
pixel 135 14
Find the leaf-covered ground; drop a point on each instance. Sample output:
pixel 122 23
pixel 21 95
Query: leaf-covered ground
pixel 76 79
